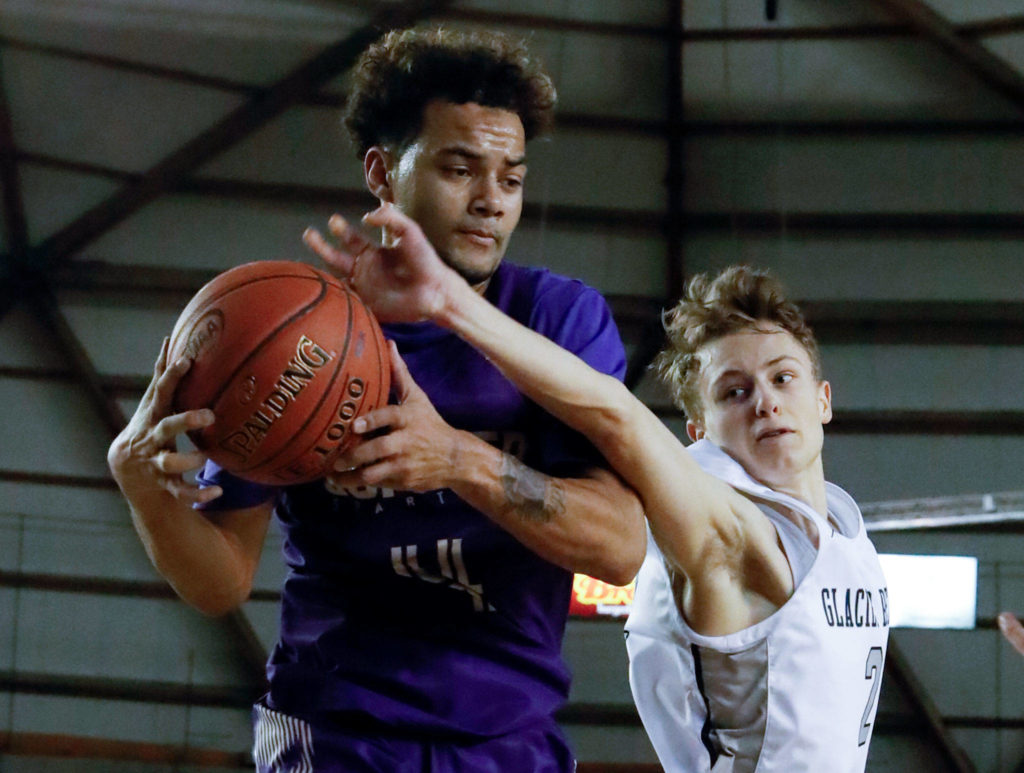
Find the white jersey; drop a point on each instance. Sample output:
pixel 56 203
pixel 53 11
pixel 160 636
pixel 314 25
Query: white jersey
pixel 795 692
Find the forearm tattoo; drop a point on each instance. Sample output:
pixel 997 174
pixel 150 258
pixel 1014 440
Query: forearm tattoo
pixel 534 496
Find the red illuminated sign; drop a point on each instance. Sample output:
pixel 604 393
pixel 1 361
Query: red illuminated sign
pixel 594 598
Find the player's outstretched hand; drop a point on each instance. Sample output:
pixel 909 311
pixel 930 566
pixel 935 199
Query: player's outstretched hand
pixel 402 282
pixel 144 456
pixel 419 451
pixel 1012 630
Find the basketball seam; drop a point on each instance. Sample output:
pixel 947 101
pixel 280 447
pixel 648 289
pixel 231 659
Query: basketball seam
pixel 270 335
pixel 315 410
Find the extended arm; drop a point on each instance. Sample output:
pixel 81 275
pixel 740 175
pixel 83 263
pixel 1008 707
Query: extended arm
pixel 680 500
pixel 705 529
pixel 209 559
pixel 407 282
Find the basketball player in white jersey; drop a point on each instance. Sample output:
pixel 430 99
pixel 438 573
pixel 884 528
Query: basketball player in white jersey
pixel 759 629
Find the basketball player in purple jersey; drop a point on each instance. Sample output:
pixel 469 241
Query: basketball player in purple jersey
pixel 422 615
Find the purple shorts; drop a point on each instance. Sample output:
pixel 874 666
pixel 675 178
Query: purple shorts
pixel 286 744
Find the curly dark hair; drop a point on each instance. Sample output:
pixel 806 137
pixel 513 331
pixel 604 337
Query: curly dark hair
pixel 397 76
pixel 739 298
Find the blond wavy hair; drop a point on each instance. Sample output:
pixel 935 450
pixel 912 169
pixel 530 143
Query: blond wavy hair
pixel 739 298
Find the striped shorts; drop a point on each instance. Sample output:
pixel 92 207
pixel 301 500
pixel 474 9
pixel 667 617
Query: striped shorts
pixel 286 744
pixel 283 744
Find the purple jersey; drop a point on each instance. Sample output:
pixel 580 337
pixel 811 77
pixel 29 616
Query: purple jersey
pixel 405 612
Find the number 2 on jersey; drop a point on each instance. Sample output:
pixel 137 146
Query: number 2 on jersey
pixel 872 671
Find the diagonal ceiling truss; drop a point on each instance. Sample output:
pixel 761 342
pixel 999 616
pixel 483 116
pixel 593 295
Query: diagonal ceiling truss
pixel 989 68
pixel 15 227
pixel 261 107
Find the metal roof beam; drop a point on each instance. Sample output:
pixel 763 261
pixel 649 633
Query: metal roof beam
pixel 992 323
pixel 675 173
pixel 334 100
pixel 105 586
pixel 855 422
pixel 927 224
pixel 988 67
pixel 49 312
pixel 13 206
pixel 993 509
pixel 15 224
pixel 107 688
pixel 908 422
pixel 19 744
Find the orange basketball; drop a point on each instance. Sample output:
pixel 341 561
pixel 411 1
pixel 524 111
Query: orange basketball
pixel 286 356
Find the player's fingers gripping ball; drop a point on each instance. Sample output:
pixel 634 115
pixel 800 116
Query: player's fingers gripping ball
pixel 287 357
